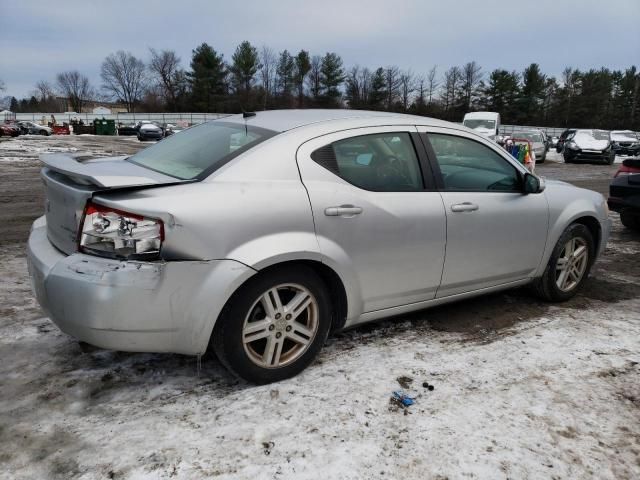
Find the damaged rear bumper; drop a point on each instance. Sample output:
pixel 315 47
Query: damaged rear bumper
pixel 131 306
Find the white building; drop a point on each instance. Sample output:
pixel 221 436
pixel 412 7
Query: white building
pixel 101 111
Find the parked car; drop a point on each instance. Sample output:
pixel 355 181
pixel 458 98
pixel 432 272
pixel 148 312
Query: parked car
pixel 34 129
pixel 589 145
pixel 624 193
pixel 9 130
pixel 545 140
pixel 258 235
pixel 131 129
pixel 150 131
pixel 61 129
pixel 553 141
pixel 625 142
pixel 134 128
pixel 538 143
pixel 563 138
pixel 170 129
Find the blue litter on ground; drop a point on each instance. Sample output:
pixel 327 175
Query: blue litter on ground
pixel 405 399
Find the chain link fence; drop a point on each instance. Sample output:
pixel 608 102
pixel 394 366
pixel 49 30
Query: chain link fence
pixel 196 118
pixel 120 118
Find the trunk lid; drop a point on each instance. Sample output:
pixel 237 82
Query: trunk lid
pixel 69 183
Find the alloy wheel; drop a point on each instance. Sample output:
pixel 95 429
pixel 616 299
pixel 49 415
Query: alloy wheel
pixel 280 326
pixel 571 264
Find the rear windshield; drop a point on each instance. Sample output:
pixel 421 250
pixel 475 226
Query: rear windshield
pixel 533 136
pixel 198 151
pixel 479 123
pixel 593 134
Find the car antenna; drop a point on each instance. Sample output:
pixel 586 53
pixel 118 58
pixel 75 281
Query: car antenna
pixel 246 115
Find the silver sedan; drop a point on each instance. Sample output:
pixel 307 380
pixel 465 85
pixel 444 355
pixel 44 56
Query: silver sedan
pixel 259 234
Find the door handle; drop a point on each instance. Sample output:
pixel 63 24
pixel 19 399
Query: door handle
pixel 343 211
pixel 464 207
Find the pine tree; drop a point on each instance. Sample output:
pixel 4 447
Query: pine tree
pixel 208 79
pixel 303 66
pixel 244 66
pixel 501 93
pixel 285 72
pixel 332 76
pixel 531 95
pixel 377 91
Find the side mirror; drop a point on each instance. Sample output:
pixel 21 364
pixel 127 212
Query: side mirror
pixel 533 184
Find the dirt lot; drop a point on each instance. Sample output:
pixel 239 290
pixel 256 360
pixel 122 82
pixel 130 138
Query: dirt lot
pixel 522 389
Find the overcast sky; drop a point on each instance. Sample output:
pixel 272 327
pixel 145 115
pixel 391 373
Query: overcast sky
pixel 40 38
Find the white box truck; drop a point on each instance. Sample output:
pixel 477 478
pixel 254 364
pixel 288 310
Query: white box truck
pixel 484 123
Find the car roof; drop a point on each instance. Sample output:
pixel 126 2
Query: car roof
pixel 283 120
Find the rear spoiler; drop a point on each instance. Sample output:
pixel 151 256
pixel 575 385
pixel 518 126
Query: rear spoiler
pixel 111 172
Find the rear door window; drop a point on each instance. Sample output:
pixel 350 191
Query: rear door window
pixel 377 162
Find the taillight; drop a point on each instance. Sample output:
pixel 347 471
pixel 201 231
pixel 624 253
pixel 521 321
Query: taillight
pixel 112 233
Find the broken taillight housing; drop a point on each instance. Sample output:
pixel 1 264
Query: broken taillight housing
pixel 112 233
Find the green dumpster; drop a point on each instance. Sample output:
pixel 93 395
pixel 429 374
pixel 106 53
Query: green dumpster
pixel 105 127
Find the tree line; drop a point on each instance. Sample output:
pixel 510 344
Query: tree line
pixel 259 79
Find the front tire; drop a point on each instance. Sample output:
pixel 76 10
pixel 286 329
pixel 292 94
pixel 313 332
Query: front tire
pixel 274 326
pixel 568 266
pixel 544 157
pixel 630 220
pixel 44 133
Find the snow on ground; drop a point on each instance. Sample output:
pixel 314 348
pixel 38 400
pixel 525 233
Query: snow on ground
pixel 551 393
pixel 522 389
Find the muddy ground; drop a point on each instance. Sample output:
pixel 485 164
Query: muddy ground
pixel 523 389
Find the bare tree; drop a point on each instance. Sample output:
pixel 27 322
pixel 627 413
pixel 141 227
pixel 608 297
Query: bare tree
pixel 451 85
pixel 471 78
pixel 407 87
pixel 267 73
pixel 43 91
pixel 76 88
pixel 165 67
pixel 124 78
pixel 314 78
pixel 392 85
pixel 432 82
pixel 420 83
pixel 365 83
pixel 355 87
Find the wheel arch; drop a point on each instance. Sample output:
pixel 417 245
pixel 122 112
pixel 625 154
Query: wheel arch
pixel 331 279
pixel 557 229
pixel 593 225
pixel 338 295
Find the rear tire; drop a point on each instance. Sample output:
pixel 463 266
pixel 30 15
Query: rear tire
pixel 262 336
pixel 568 266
